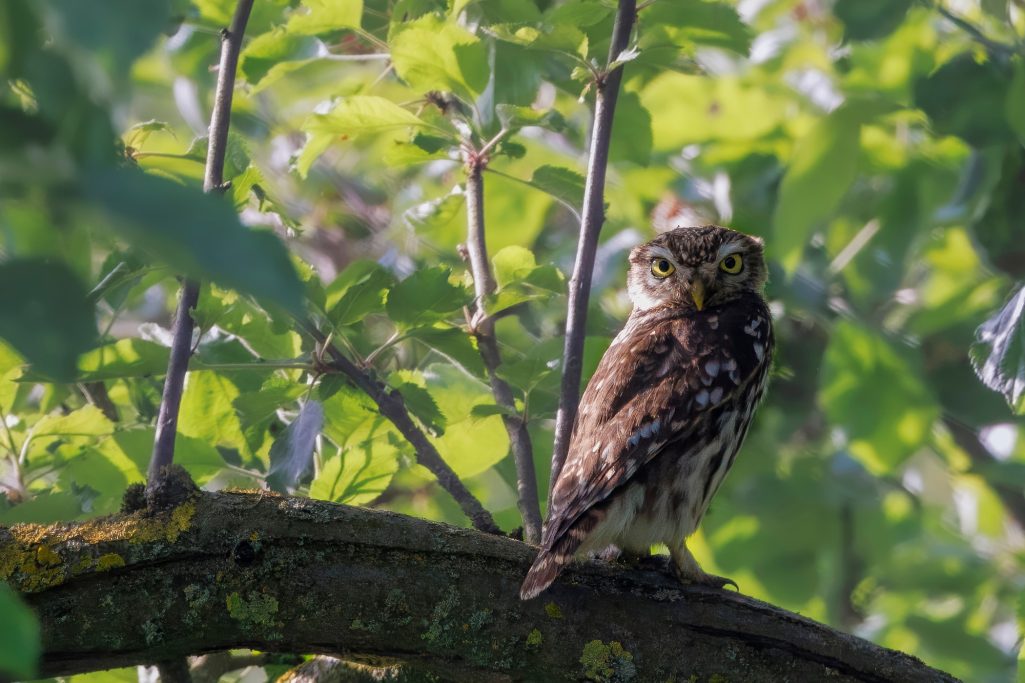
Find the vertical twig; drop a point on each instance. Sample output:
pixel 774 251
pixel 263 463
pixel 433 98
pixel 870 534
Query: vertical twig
pixel 483 327
pixel 606 94
pixel 213 181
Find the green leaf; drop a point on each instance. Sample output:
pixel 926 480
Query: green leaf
pixel 821 169
pixel 878 397
pixel 19 636
pixel 967 99
pixel 1015 106
pixel 45 508
pixel 422 406
pixel 453 344
pixel 45 315
pixel 352 116
pixel 870 19
pixel 436 218
pixel 359 290
pixel 324 16
pixel 115 31
pixel 512 264
pixel 432 54
pixel 513 118
pixel 631 131
pixel 292 452
pixel 563 183
pixel 712 24
pixel 272 55
pixel 196 233
pixel 358 475
pixel 368 450
pixel 425 297
pixel 208 413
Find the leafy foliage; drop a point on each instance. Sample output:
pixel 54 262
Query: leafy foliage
pixel 876 146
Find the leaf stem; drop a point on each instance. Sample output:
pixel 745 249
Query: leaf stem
pixel 606 94
pixel 483 328
pixel 213 181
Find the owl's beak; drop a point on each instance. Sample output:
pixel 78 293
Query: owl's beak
pixel 697 292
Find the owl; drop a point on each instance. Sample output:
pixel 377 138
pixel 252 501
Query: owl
pixel 668 407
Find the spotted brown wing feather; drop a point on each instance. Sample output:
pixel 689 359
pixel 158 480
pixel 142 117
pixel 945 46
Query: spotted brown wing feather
pixel 663 374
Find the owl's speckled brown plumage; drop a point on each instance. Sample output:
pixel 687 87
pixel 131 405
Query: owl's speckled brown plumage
pixel 668 406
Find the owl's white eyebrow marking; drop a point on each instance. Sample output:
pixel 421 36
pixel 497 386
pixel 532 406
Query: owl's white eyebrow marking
pixel 662 252
pixel 729 248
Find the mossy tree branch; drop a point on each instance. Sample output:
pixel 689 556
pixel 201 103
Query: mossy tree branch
pixel 281 574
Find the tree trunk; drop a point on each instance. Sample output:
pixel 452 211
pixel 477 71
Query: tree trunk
pixel 282 574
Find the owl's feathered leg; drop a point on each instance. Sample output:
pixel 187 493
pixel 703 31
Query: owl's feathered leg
pixel 688 570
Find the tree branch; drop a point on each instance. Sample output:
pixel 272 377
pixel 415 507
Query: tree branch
pixel 281 574
pixel 213 181
pixel 606 94
pixel 484 330
pixel 391 405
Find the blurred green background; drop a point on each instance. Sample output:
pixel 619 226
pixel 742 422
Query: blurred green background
pixel 876 145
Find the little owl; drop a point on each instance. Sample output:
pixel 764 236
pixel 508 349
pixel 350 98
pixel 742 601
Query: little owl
pixel 668 407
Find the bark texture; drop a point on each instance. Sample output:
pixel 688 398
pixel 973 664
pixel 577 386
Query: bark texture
pixel 281 574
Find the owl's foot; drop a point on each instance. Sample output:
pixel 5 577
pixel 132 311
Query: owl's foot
pixel 711 580
pixel 687 570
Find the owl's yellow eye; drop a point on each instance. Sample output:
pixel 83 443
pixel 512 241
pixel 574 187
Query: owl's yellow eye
pixel 731 264
pixel 662 268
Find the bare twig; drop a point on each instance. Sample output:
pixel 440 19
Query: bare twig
pixel 96 394
pixel 484 329
pixel 213 180
pixel 390 403
pixel 606 94
pixel 968 440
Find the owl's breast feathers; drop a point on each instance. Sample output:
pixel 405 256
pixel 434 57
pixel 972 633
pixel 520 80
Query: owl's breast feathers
pixel 661 376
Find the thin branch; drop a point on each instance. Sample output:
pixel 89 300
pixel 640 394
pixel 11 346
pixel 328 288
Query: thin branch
pixel 968 440
pixel 96 394
pixel 213 181
pixel 606 94
pixel 389 401
pixel 483 328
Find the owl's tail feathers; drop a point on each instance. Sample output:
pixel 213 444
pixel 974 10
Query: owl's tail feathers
pixel 543 572
pixel 549 563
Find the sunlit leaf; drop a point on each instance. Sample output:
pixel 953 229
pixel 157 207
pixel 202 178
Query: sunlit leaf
pixel 432 54
pixel 315 17
pixel 352 116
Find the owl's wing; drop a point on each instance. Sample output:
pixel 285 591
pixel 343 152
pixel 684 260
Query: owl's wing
pixel 651 389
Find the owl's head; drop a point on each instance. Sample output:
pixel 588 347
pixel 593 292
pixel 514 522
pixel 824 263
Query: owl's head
pixel 695 268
